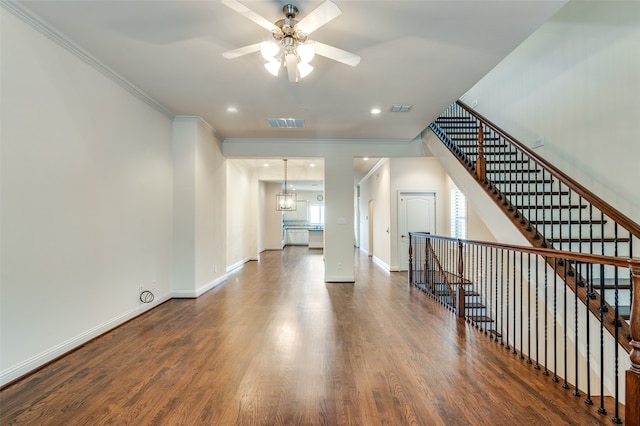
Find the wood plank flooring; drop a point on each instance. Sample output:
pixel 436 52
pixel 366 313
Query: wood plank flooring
pixel 275 345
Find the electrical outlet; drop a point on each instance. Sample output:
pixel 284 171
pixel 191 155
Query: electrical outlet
pixel 339 266
pixel 215 268
pixel 474 103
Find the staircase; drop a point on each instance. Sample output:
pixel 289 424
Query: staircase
pixel 549 208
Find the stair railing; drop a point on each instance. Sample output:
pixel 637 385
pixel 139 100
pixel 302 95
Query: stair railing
pixel 550 208
pixel 518 174
pixel 521 298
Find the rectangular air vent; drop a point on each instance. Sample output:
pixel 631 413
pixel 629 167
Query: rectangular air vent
pixel 400 108
pixel 286 123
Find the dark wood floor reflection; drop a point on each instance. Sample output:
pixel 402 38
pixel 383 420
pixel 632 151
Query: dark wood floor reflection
pixel 276 345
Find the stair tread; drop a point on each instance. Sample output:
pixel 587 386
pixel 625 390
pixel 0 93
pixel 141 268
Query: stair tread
pixel 566 222
pixel 534 193
pixel 595 239
pixel 474 305
pixel 479 318
pixel 552 206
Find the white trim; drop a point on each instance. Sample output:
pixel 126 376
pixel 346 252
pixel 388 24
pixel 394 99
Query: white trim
pixel 23 13
pixel 339 279
pixel 56 351
pixel 188 294
pixel 372 171
pixel 236 265
pixel 380 263
pixel 320 141
pixel 194 119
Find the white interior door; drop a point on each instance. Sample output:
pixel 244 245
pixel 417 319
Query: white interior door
pixel 416 213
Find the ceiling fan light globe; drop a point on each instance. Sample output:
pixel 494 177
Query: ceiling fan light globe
pixel 304 69
pixel 306 52
pixel 273 66
pixel 269 49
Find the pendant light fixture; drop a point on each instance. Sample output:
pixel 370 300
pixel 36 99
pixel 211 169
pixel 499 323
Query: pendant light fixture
pixel 285 200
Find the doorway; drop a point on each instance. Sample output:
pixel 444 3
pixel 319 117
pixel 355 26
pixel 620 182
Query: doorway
pixel 416 213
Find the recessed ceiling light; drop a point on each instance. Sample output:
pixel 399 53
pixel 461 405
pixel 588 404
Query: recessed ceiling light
pixel 266 164
pixel 232 109
pixel 312 165
pixel 366 158
pixel 376 111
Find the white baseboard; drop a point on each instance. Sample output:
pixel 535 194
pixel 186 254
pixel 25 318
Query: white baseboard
pixel 339 279
pixel 54 352
pixel 380 263
pixel 192 294
pixel 240 263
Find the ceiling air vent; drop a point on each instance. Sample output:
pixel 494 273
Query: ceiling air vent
pixel 400 108
pixel 286 123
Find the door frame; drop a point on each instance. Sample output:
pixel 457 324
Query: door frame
pixel 401 194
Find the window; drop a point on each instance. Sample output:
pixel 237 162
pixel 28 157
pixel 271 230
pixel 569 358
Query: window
pixel 316 214
pixel 458 214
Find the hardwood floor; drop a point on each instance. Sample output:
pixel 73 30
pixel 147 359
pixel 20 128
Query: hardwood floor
pixel 276 345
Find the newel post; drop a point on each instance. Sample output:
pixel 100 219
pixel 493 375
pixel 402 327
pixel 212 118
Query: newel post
pixel 410 261
pixel 481 162
pixel 632 402
pixel 460 288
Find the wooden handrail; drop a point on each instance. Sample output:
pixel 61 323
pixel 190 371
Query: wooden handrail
pixel 546 252
pixel 589 196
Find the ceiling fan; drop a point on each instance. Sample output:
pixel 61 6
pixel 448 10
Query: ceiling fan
pixel 290 46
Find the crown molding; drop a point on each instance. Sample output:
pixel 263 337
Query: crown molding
pixel 19 10
pixel 320 141
pixel 194 119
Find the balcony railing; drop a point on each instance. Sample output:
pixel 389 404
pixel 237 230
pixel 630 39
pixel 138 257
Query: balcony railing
pixel 538 304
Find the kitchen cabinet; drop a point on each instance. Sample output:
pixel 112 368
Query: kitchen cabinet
pixel 297 237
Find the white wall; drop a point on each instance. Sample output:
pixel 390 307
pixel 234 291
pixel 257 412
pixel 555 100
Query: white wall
pixel 383 186
pixel 86 184
pixel 375 188
pixel 416 174
pixel 210 210
pixel 242 214
pixel 270 232
pixel 575 82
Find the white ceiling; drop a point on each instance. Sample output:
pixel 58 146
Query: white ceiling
pixel 424 53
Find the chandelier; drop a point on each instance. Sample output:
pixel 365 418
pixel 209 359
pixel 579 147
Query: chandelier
pixel 285 200
pixel 290 47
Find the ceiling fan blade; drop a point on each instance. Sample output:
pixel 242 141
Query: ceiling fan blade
pixel 292 68
pixel 318 17
pixel 250 14
pixel 336 54
pixel 231 54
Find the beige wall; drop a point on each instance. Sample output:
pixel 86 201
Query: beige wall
pixel 575 83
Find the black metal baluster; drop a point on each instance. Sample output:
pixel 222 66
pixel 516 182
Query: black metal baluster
pixel 588 297
pixel 507 300
pixel 603 309
pixel 501 294
pixel 485 294
pixel 544 212
pixel 491 332
pixel 618 324
pixel 546 319
pixel 537 366
pixel 565 385
pixel 529 308
pixel 555 320
pixel 576 392
pixel 515 335
pixel 521 308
